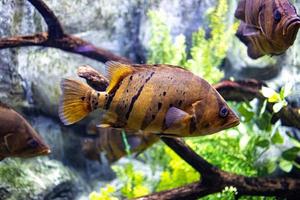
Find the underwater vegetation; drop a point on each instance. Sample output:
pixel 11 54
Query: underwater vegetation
pixel 256 160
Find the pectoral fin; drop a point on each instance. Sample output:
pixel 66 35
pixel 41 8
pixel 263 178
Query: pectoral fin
pixel 253 52
pixel 176 118
pixel 240 11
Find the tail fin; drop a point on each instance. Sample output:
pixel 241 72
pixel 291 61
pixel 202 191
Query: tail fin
pixel 74 103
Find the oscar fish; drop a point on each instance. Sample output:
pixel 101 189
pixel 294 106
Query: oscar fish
pixel 160 99
pixel 110 143
pixel 268 27
pixel 17 137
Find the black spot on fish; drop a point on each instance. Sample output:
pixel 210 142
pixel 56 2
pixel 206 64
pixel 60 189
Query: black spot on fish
pixel 180 102
pixel 206 125
pixel 135 97
pixel 153 117
pixel 159 105
pixel 192 125
pixel 98 94
pixel 82 98
pixel 127 90
pixel 164 93
pixel 130 78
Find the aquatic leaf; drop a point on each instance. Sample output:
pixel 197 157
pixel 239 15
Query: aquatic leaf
pixel 291 153
pixel 277 138
pixel 271 166
pixel 263 143
pixel 245 112
pixel 285 165
pixel 270 94
pixel 263 108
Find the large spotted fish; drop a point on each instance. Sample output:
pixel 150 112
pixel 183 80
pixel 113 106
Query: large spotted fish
pixel 268 27
pixel 161 99
pixel 17 137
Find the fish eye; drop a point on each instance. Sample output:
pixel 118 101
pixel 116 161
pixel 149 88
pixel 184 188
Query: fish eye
pixel 223 112
pixel 277 16
pixel 32 143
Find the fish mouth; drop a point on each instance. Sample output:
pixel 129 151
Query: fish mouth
pixel 291 26
pixel 233 124
pixel 45 151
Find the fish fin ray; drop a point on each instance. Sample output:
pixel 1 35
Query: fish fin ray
pixel 73 105
pixel 240 11
pixel 116 72
pixel 175 117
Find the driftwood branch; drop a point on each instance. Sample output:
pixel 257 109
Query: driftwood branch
pixel 213 179
pixel 55 29
pixel 56 38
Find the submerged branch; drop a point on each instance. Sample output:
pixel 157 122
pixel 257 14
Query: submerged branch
pixel 214 180
pixel 67 43
pixel 56 38
pixel 55 29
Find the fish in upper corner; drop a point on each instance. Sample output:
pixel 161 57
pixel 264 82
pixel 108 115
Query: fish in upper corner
pixel 268 27
pixel 160 99
pixel 110 144
pixel 17 137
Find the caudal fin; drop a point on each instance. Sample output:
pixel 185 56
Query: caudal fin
pixel 74 103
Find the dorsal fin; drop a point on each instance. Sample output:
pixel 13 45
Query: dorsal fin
pixel 3 105
pixel 116 72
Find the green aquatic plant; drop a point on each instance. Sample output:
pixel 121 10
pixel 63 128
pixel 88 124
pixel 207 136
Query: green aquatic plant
pixel 135 181
pixel 207 52
pixel 105 193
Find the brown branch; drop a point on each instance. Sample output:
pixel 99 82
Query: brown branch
pixel 55 29
pixel 56 38
pixel 67 43
pixel 214 180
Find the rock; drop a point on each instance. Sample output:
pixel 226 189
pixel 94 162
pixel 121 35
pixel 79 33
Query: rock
pixel 38 178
